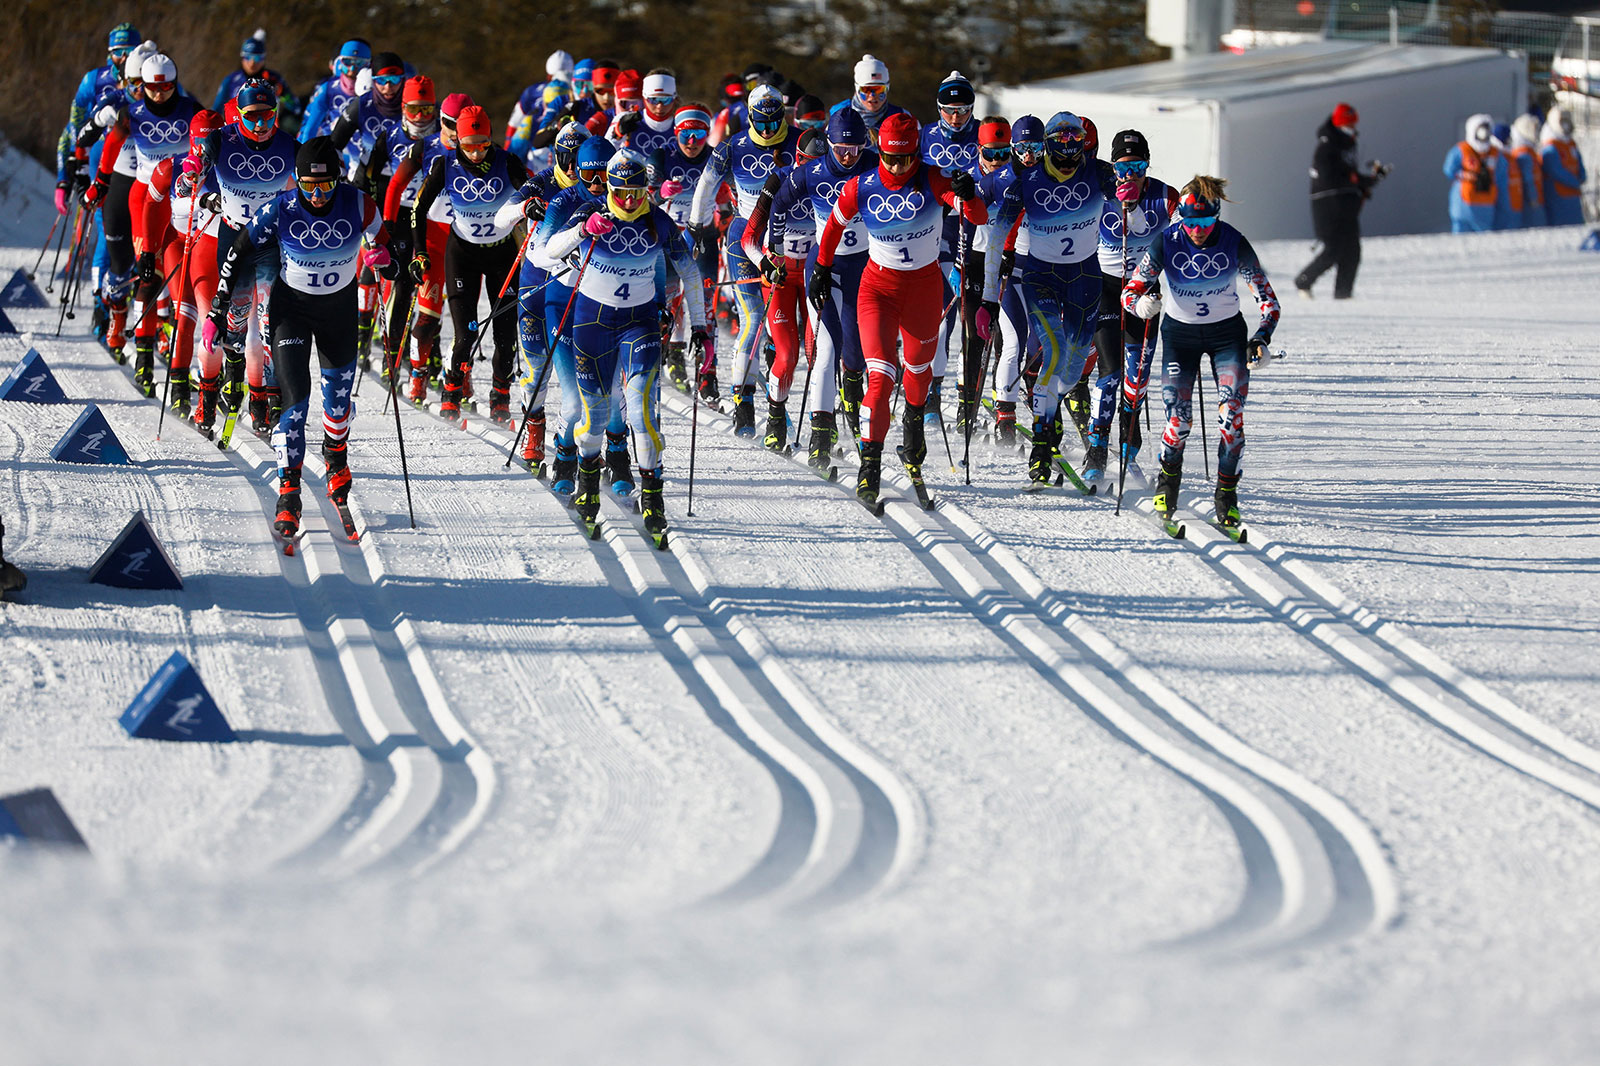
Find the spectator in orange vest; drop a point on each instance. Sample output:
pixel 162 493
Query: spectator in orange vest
pixel 1479 199
pixel 1563 170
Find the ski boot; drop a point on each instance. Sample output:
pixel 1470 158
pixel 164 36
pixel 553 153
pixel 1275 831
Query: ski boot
pixel 500 402
pixel 451 397
pixel 205 412
pixel 117 332
pixel 653 507
pixel 966 409
pixel 1166 494
pixel 1041 459
pixel 587 501
pixel 619 468
pixel 287 523
pixel 1005 422
pixel 932 413
pixel 824 434
pixel 871 471
pixel 533 443
pixel 336 454
pixel 744 411
pixel 777 438
pixel 178 385
pixel 144 360
pixel 1227 501
pixel 564 471
pixel 1078 405
pixel 1094 462
pixel 852 389
pixel 708 387
pixel 258 411
pixel 677 372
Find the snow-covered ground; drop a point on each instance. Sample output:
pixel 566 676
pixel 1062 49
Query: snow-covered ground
pixel 1016 781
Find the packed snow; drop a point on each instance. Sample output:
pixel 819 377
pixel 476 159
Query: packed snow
pixel 1019 780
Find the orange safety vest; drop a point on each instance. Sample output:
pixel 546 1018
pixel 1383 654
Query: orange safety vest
pixel 1535 195
pixel 1569 159
pixel 1471 163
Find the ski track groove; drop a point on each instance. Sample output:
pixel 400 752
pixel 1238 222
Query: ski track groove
pixel 1315 872
pixel 425 785
pixel 858 835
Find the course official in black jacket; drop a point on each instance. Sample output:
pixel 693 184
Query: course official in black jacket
pixel 1338 189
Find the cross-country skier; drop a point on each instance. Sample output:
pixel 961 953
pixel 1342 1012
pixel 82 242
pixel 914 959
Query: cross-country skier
pixel 1059 204
pixel 478 178
pixel 744 162
pixel 333 92
pixel 901 203
pixel 1129 224
pixel 1200 260
pixel 616 334
pixel 312 237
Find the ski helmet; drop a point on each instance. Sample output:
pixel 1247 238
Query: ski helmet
pixel 257 98
pixel 810 113
pixel 419 110
pixel 813 145
pixel 1065 140
pixel 566 145
pixel 123 36
pixel 1130 144
pixel 159 73
pixel 205 131
pixel 898 135
pixel 316 171
pixel 559 64
pixel 254 47
pixel 767 118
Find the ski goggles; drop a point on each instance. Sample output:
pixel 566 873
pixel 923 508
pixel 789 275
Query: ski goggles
pixel 320 188
pixel 997 153
pixel 388 81
pixel 257 118
pixel 1131 168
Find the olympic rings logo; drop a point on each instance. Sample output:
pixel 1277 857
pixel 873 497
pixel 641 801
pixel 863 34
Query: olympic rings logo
pixel 158 131
pixel 476 190
pixel 629 241
pixel 946 155
pixel 1200 264
pixel 253 167
pixel 1060 198
pixel 321 233
pixel 890 208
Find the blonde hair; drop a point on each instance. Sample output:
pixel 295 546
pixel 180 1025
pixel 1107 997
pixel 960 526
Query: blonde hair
pixel 1207 188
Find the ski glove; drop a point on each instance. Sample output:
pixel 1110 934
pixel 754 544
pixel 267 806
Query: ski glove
pixel 774 271
pixel 821 282
pixel 701 339
pixel 1147 306
pixel 597 224
pixel 149 272
pixel 962 185
pixel 94 193
pixel 61 198
pixel 419 267
pixel 988 314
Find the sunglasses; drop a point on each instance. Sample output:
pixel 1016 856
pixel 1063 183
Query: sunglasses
pixel 323 187
pixel 257 117
pixel 389 81
pixel 1132 168
pixel 997 154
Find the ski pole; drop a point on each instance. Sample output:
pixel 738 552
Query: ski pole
pixel 45 247
pixel 527 412
pixel 177 309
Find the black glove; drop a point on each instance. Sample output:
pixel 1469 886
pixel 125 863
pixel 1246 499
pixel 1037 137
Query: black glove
pixel 533 209
pixel 818 288
pixel 149 269
pixel 629 121
pixel 774 270
pixel 962 185
pixel 705 240
pixel 1008 260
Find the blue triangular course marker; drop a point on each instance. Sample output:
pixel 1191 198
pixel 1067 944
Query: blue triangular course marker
pixel 20 292
pixel 136 560
pixel 90 440
pixel 31 381
pixel 174 705
pixel 35 816
pixel 5 324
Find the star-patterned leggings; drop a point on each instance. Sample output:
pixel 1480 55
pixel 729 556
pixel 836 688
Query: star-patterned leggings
pixel 297 319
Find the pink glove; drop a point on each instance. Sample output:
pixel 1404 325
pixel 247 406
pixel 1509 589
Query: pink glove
pixel 208 335
pixel 984 321
pixel 192 165
pixel 1128 192
pixel 670 188
pixel 61 201
pixel 597 225
pixel 377 257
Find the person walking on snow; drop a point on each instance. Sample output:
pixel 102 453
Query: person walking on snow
pixel 1199 260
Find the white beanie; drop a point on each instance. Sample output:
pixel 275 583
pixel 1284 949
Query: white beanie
pixel 660 85
pixel 871 71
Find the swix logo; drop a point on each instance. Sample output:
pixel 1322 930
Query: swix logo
pixel 184 719
pixel 135 565
pixel 90 444
pixel 35 385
